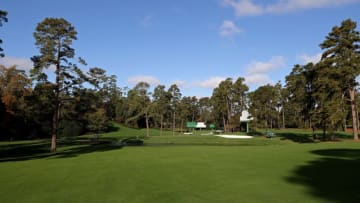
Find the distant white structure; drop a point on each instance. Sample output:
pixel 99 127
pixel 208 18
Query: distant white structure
pixel 246 118
pixel 200 125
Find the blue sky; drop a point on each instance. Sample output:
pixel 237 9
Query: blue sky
pixel 193 43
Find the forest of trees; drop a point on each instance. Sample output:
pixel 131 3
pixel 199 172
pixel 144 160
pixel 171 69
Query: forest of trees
pixel 322 95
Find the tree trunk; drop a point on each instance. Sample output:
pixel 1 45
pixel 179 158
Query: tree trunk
pixel 357 116
pixel 56 115
pixel 182 123
pixel 54 129
pixel 147 125
pixel 283 117
pixel 55 126
pixel 173 127
pixel 278 119
pixel 313 133
pixel 58 86
pixel 228 109
pixel 161 125
pixel 224 123
pixel 353 112
pixel 343 111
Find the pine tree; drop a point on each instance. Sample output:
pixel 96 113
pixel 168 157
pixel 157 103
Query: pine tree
pixel 53 37
pixel 342 55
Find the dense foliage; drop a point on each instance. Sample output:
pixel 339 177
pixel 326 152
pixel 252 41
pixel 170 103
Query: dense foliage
pixel 319 96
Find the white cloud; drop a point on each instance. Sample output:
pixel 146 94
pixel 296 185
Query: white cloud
pixel 210 83
pixel 180 83
pixel 294 5
pixel 143 78
pixel 258 79
pixel 21 63
pixel 228 28
pixel 304 58
pixel 258 71
pixel 250 8
pixel 244 7
pixel 259 67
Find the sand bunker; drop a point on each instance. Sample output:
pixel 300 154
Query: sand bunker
pixel 236 136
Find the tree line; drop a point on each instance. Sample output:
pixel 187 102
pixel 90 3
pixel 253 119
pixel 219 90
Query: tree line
pixel 319 96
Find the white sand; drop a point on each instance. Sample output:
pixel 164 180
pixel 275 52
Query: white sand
pixel 235 136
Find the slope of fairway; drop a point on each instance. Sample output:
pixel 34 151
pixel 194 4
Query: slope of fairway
pixel 183 169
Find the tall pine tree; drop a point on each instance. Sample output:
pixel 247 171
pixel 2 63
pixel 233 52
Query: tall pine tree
pixel 53 37
pixel 342 54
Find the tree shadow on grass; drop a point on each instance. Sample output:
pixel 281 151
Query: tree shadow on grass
pixel 334 177
pixel 296 137
pixel 308 138
pixel 113 128
pixel 66 148
pixel 24 151
pixel 85 147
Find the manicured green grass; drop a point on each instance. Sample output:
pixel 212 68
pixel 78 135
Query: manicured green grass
pixel 180 169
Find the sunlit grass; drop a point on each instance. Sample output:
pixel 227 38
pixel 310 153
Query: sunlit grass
pixel 181 168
